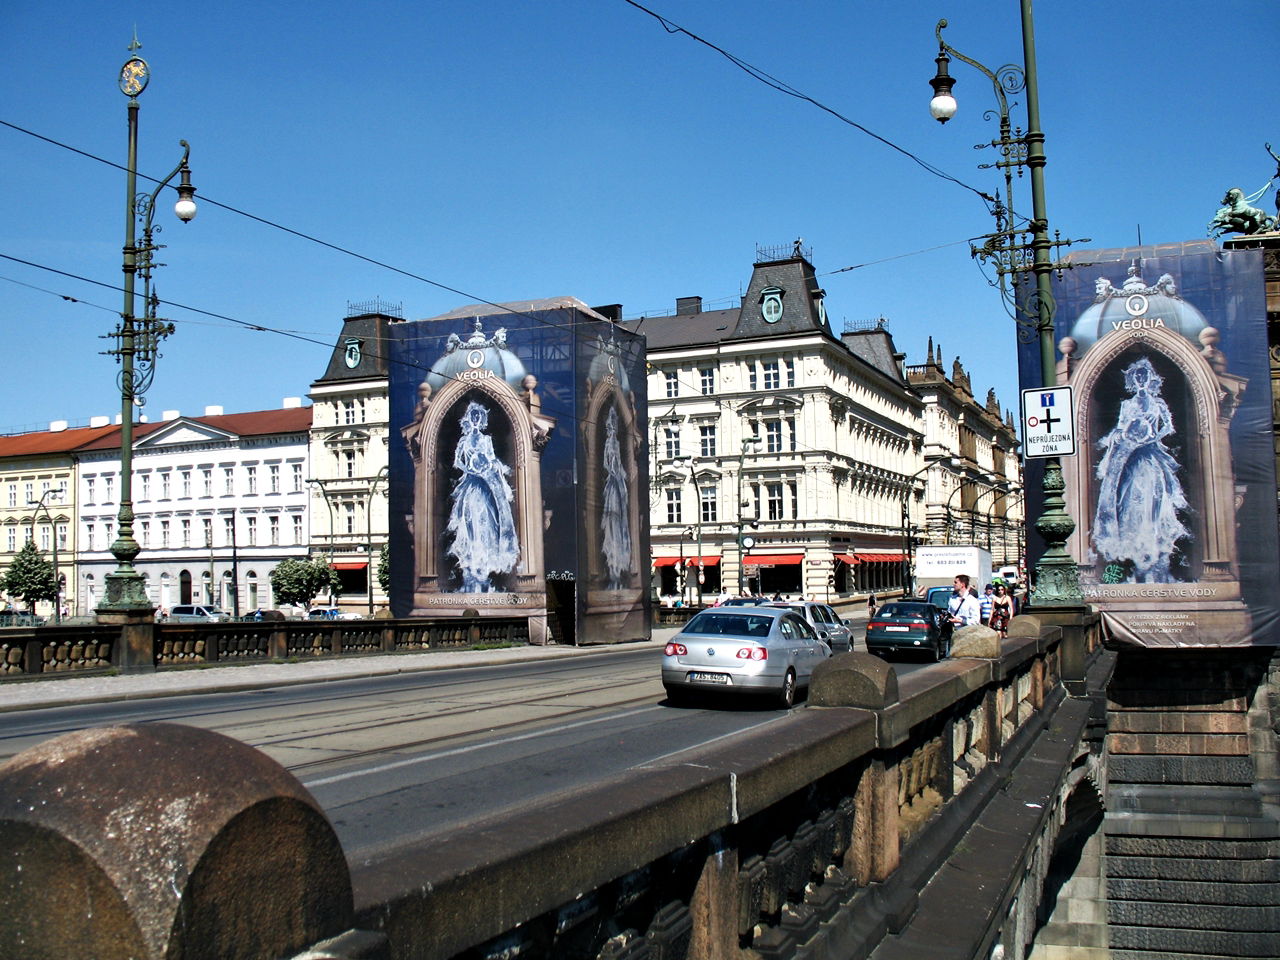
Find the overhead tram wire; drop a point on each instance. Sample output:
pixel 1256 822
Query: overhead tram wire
pixel 783 87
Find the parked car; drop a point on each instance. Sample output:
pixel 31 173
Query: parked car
pixel 747 650
pixel 824 620
pixel 939 596
pixel 744 602
pixel 331 613
pixel 910 625
pixel 197 613
pixel 260 615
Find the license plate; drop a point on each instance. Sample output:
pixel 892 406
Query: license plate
pixel 896 629
pixel 708 678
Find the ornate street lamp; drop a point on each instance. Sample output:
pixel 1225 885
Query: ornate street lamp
pixel 39 505
pixel 745 540
pixel 1057 577
pixel 137 338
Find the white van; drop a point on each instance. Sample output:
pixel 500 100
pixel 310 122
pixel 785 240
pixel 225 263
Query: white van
pixel 197 613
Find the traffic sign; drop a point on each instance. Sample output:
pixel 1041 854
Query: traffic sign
pixel 1048 422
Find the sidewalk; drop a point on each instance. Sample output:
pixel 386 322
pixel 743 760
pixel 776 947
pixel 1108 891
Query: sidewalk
pixel 65 690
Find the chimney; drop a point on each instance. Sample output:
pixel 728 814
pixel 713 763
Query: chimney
pixel 686 306
pixel 291 403
pixel 213 411
pixel 610 311
pixel 57 426
pixel 99 421
pixel 170 415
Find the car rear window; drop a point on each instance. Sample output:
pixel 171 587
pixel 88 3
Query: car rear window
pixel 903 610
pixel 730 624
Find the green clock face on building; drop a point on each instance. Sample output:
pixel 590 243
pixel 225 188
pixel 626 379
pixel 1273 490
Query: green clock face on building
pixel 134 76
pixel 353 354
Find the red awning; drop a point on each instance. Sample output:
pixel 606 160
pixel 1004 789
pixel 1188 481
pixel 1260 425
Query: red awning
pixel 773 559
pixel 687 561
pixel 847 558
pixel 880 557
pixel 345 565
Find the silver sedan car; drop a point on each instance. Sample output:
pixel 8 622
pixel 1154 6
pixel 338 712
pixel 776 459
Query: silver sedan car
pixel 824 620
pixel 751 650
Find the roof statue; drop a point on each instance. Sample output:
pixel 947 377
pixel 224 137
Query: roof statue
pixel 1238 215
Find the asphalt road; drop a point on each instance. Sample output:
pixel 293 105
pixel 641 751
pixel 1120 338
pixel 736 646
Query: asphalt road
pixel 410 754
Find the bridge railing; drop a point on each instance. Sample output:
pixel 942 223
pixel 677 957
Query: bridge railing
pixel 80 648
pixel 853 827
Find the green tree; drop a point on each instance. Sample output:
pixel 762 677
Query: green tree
pixel 384 570
pixel 298 581
pixel 30 577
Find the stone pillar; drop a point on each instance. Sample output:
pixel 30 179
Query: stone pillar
pixel 135 650
pixel 714 906
pixel 158 840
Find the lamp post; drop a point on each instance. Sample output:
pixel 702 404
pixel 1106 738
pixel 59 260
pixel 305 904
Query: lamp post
pixel 1004 523
pixel 682 464
pixel 978 513
pixel 745 540
pixel 368 528
pixel 53 533
pixel 137 338
pixel 1057 577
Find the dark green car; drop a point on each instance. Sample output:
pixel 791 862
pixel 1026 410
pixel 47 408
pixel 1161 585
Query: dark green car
pixel 910 626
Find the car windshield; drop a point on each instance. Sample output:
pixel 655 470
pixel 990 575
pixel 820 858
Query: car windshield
pixel 730 624
pixel 915 610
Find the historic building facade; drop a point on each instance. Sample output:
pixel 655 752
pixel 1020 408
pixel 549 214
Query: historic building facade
pixel 348 455
pixel 219 500
pixel 982 489
pixel 791 459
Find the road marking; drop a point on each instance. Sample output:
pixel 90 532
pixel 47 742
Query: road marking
pixel 457 751
pixel 704 743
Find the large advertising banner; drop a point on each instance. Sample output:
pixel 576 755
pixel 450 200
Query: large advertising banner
pixel 1173 490
pixel 493 457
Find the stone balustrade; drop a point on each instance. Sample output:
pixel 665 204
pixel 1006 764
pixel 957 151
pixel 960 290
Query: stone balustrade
pixel 892 817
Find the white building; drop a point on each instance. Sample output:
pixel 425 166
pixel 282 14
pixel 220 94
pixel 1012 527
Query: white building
pixel 348 456
pixel 219 500
pixel 786 450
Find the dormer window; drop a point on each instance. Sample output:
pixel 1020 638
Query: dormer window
pixel 771 304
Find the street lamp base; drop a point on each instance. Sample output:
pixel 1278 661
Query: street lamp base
pixel 125 596
pixel 1057 575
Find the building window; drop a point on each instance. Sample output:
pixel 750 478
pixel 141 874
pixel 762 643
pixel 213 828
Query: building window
pixel 164 533
pixel 349 463
pixel 186 483
pixel 297 528
pixel 207 524
pixel 45 540
pixel 13 537
pixel 164 486
pixel 349 517
pixel 273 524
pixel 107 482
pixel 751 375
pixel 62 536
pixel 251 527
pixel 229 530
pixel 791 372
pixel 673 442
pixel 89 533
pixel 144 481
pixel 674 513
pixel 228 480
pixel 773 436
pixel 88 491
pixel 771 375
pixel 773 500
pixel 274 470
pixel 791 432
pixel 348 411
pixel 144 534
pixel 707 441
pixel 794 489
pixel 251 474
pixel 297 478
pixel 672 383
pixel 707 504
pixel 206 481
pixel 707 376
pixel 186 533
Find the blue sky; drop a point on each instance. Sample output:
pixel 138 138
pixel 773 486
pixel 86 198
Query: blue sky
pixel 574 147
